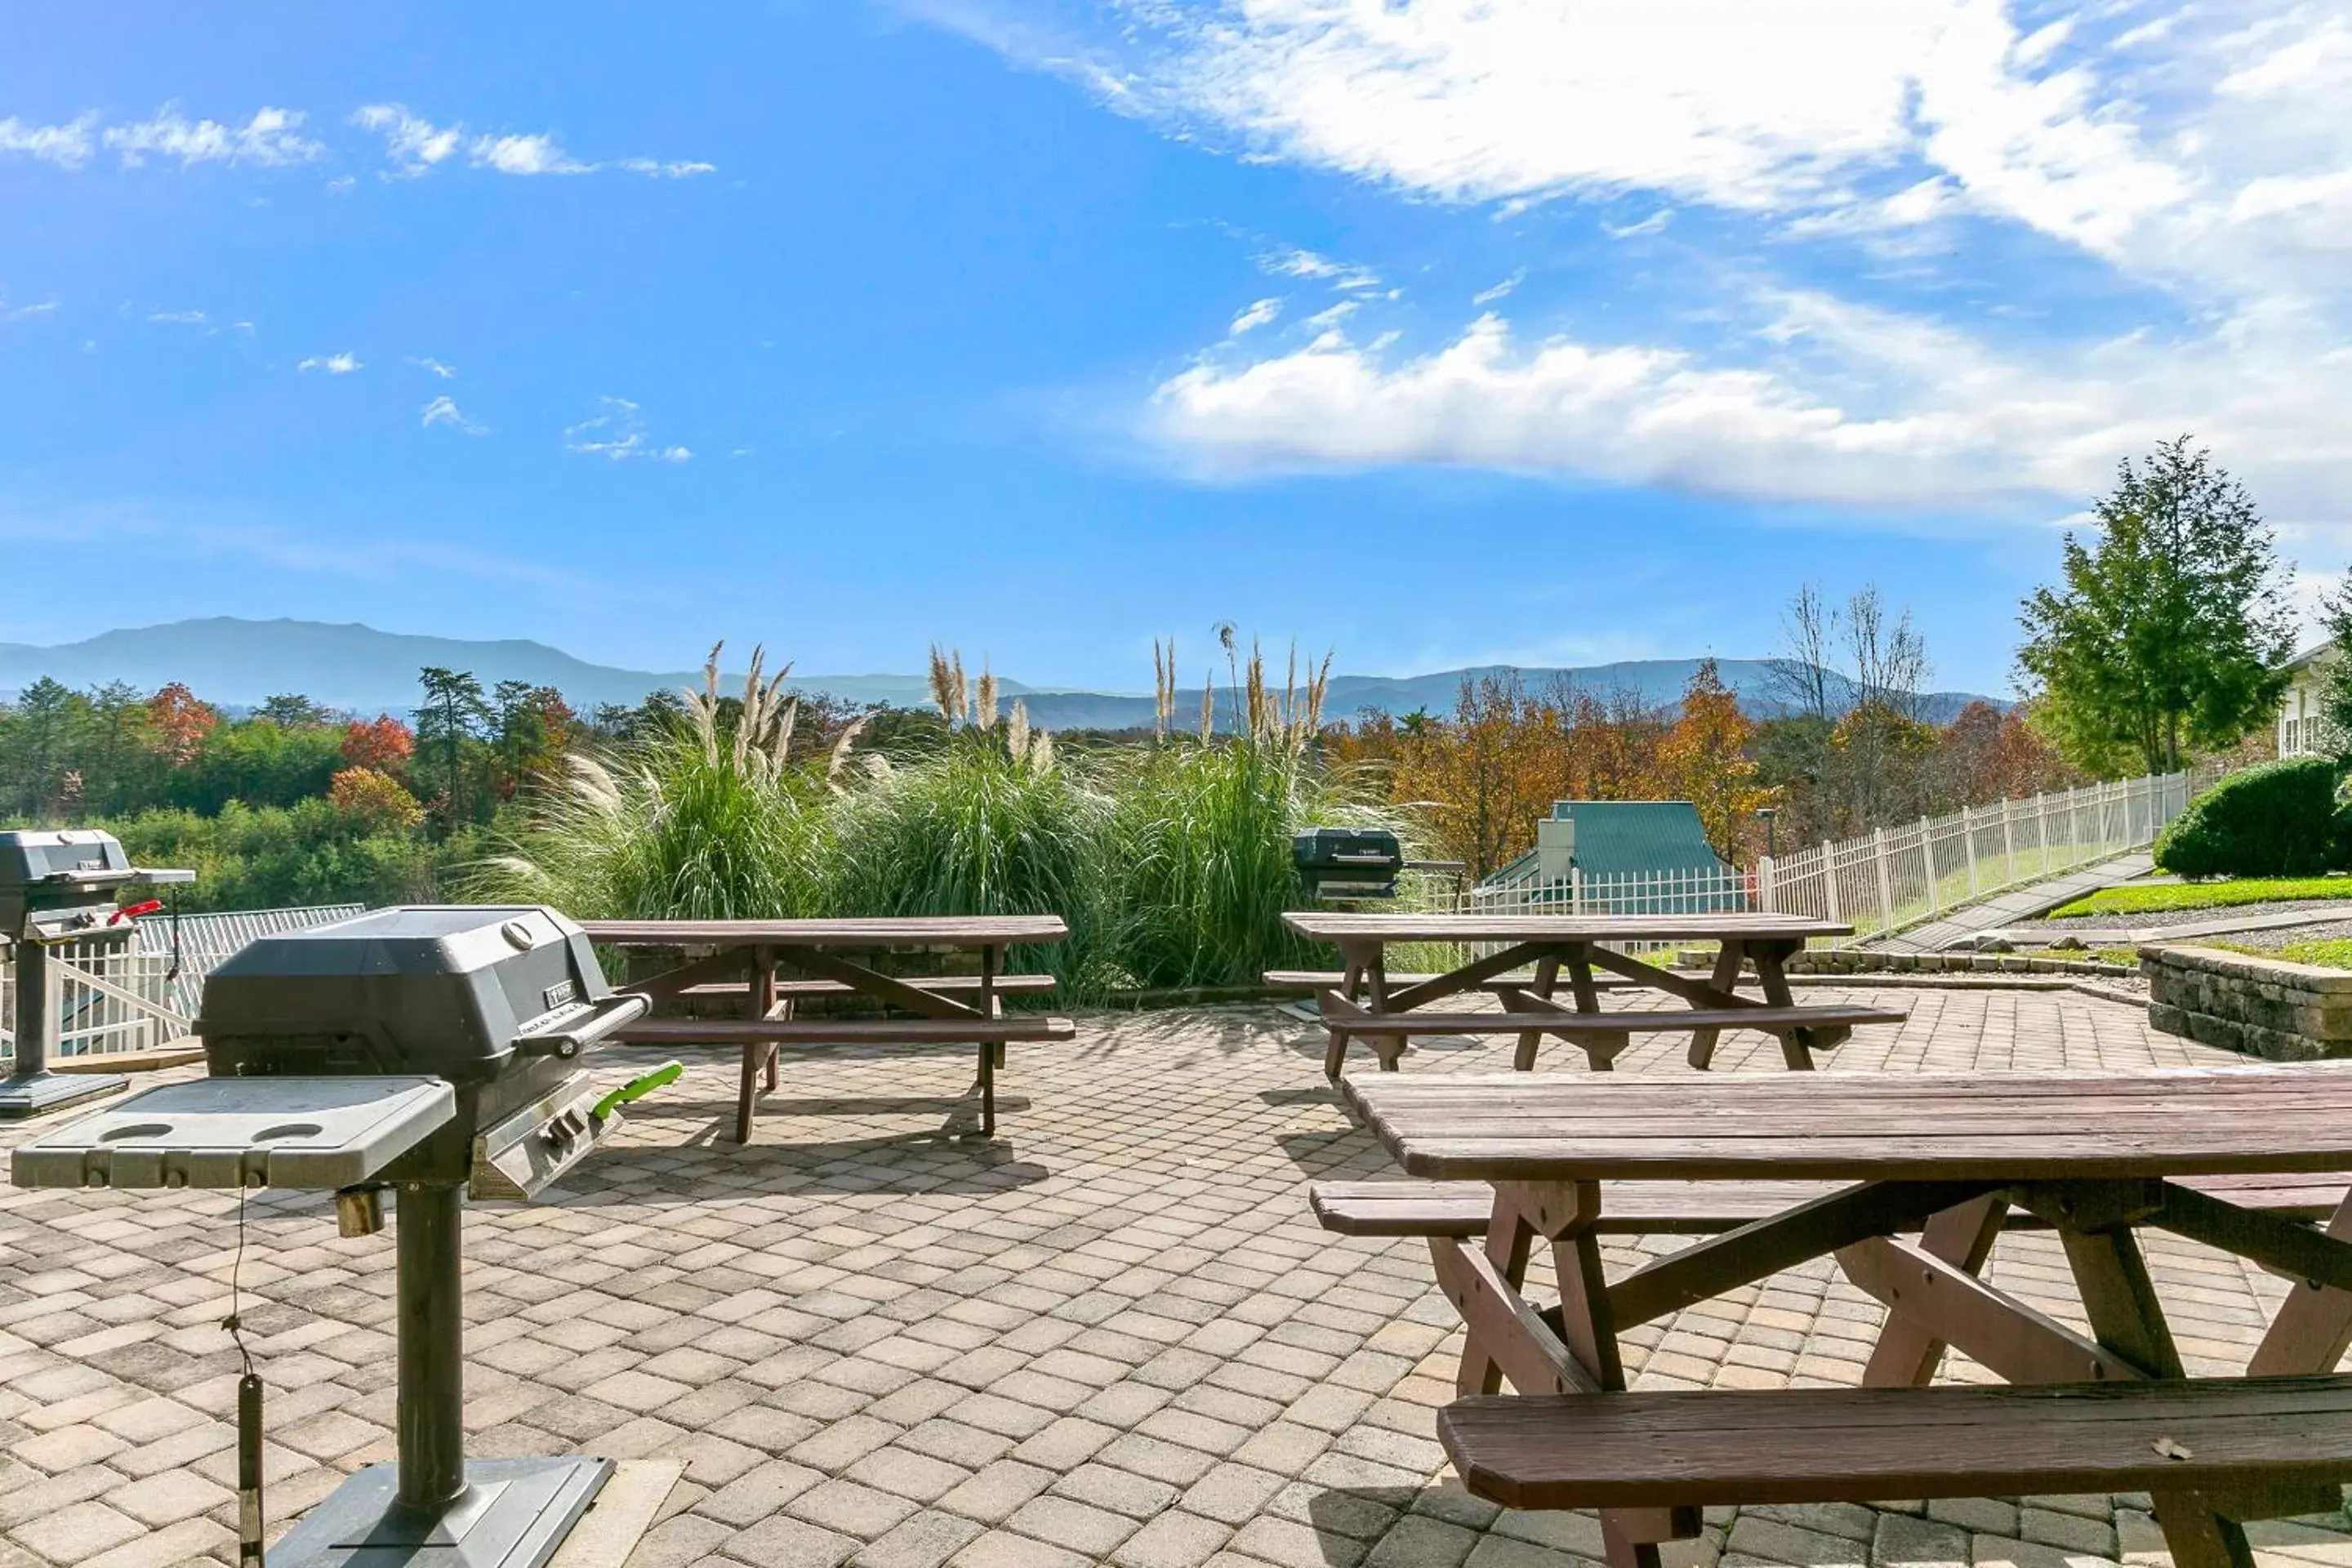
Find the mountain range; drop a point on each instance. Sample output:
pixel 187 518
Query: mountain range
pixel 239 663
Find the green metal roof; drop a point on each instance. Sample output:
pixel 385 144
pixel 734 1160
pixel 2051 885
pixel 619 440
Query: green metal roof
pixel 1617 837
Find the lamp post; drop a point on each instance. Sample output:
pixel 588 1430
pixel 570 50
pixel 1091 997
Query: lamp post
pixel 1768 813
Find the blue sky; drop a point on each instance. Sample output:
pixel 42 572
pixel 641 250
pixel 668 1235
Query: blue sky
pixel 1435 331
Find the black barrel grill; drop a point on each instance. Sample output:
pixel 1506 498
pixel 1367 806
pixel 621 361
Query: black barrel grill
pixel 431 1051
pixel 59 886
pixel 1337 863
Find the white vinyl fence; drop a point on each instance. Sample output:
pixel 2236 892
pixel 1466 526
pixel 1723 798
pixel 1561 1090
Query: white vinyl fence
pixel 111 997
pixel 1895 877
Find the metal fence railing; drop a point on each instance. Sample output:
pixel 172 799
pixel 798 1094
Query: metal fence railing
pixel 1883 881
pixel 113 997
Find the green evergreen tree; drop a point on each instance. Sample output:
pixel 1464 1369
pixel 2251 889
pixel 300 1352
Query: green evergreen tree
pixel 2166 637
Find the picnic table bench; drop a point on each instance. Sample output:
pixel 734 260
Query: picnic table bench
pixel 1849 1168
pixel 739 959
pixel 1362 1000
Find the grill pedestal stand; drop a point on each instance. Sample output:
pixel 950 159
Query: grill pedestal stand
pixel 31 1088
pixel 432 1509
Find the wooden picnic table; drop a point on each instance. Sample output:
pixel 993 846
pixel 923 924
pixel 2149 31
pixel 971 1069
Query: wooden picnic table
pixel 1360 1000
pixel 1943 1156
pixel 741 958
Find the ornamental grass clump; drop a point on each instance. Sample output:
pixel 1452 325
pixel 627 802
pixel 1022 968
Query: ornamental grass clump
pixel 703 822
pixel 1201 829
pixel 992 824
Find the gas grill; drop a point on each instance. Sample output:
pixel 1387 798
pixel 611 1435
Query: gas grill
pixel 1338 864
pixel 57 888
pixel 433 1051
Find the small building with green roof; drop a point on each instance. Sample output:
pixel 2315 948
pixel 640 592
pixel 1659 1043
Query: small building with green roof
pixel 1624 857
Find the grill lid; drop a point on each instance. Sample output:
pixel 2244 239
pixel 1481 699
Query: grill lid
pixel 465 993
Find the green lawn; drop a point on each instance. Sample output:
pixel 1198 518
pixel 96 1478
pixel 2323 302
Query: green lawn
pixel 2333 954
pixel 2137 899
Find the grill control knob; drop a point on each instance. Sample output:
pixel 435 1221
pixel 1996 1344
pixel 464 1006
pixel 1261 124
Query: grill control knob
pixel 518 935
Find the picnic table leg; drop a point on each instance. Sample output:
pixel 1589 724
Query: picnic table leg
pixel 1725 978
pixel 1335 1049
pixel 991 1051
pixel 1796 1045
pixel 2313 1326
pixel 756 1054
pixel 1908 1355
pixel 1547 975
pixel 1388 1047
pixel 763 1003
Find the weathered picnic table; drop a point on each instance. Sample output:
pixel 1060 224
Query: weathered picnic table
pixel 739 959
pixel 1947 1157
pixel 1362 999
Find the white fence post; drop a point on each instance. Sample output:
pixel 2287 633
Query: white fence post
pixel 1830 881
pixel 1766 895
pixel 1885 885
pixel 1927 859
pixel 1969 838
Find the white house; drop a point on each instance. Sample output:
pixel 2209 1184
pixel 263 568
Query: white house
pixel 2300 729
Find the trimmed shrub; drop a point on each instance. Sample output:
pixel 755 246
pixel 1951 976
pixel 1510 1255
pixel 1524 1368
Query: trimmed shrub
pixel 2276 820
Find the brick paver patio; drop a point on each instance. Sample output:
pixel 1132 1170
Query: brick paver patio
pixel 1114 1335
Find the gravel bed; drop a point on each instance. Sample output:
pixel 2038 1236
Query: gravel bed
pixel 2119 920
pixel 2277 937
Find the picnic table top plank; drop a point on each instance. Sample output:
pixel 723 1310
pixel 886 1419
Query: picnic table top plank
pixel 1812 1445
pixel 907 930
pixel 1324 925
pixel 1887 1128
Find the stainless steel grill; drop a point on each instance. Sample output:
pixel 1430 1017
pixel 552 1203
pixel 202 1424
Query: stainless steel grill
pixel 431 1052
pixel 1338 863
pixel 57 887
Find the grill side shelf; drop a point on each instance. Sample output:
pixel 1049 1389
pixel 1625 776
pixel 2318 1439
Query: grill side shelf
pixel 231 1132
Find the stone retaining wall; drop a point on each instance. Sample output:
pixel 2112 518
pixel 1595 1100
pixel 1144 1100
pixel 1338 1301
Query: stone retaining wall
pixel 1863 961
pixel 2263 1006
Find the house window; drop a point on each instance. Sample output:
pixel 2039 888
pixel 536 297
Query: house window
pixel 2291 747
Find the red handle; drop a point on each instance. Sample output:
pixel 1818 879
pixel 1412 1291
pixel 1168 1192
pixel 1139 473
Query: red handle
pixel 130 911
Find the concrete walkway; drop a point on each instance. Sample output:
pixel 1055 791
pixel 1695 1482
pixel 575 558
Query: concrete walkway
pixel 2017 904
pixel 2223 924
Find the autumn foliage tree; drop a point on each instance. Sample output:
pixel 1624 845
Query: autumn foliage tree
pixel 383 743
pixel 1703 758
pixel 179 724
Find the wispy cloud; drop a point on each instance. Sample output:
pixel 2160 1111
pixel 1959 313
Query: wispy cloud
pixel 619 433
pixel 444 410
pixel 428 364
pixel 417 145
pixel 69 146
pixel 1298 262
pixel 25 312
pixel 1255 316
pixel 1501 290
pixel 333 365
pixel 414 143
pixel 682 170
pixel 180 318
pixel 271 138
pixel 536 155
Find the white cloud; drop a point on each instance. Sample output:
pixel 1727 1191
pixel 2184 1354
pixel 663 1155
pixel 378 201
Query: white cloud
pixel 619 433
pixel 69 146
pixel 444 411
pixel 673 171
pixel 536 155
pixel 1253 316
pixel 180 318
pixel 1838 403
pixel 25 312
pixel 333 365
pixel 417 145
pixel 1501 290
pixel 427 363
pixel 414 143
pixel 270 138
pixel 1302 263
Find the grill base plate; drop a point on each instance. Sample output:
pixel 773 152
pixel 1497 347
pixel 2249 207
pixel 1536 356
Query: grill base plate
pixel 515 1514
pixel 40 1093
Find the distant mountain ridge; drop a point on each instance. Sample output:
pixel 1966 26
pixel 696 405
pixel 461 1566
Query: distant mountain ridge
pixel 239 663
